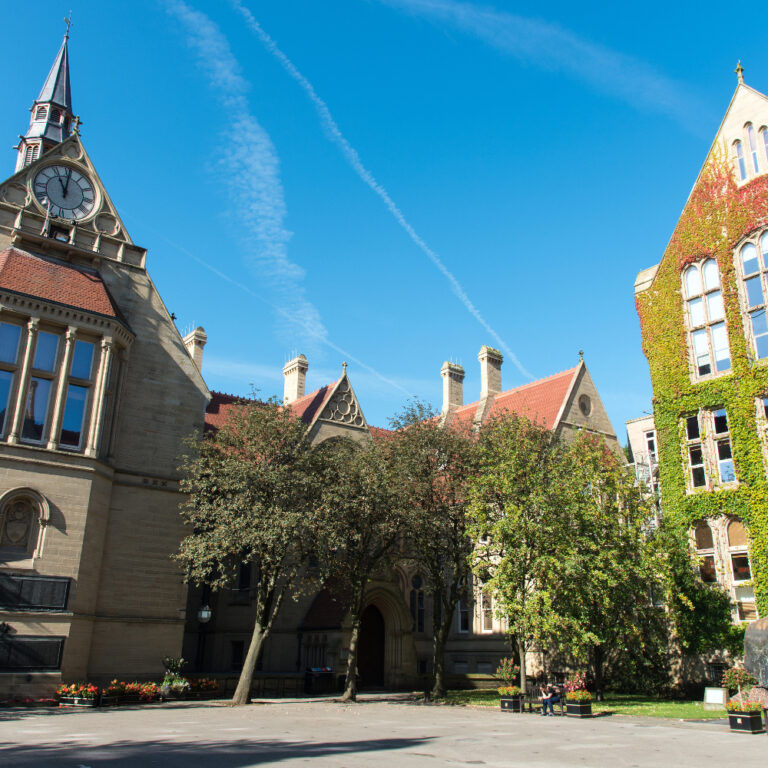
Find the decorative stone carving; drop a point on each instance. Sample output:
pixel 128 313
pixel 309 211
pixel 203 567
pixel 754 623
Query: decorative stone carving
pixel 106 223
pixel 15 194
pixel 756 650
pixel 343 407
pixel 17 524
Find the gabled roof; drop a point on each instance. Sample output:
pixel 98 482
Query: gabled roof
pixel 306 407
pixel 53 280
pixel 56 88
pixel 541 401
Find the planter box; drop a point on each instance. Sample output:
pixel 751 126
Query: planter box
pixel 512 703
pixel 71 701
pixel 746 722
pixel 578 708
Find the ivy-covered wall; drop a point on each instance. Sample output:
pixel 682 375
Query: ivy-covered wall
pixel 719 214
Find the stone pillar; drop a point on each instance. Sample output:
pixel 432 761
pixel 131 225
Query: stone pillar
pixel 23 383
pixel 490 371
pixel 295 373
pixel 453 386
pixel 195 341
pixel 61 389
pixel 97 408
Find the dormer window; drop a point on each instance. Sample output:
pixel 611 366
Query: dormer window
pixel 705 315
pixel 741 165
pixel 752 146
pixel 41 113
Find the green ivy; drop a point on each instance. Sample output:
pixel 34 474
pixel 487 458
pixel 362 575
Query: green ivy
pixel 717 216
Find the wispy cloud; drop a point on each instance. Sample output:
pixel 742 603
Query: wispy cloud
pixel 353 158
pixel 252 171
pixel 549 46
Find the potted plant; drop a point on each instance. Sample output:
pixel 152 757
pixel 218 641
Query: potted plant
pixel 113 694
pixel 578 703
pixel 139 693
pixel 78 695
pixel 174 686
pixel 511 697
pixel 203 688
pixel 745 716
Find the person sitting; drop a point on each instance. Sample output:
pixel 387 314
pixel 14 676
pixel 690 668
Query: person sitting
pixel 550 694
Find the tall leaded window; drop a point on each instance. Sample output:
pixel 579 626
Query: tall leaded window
pixel 40 386
pixel 708 453
pixel 78 391
pixel 753 261
pixel 10 335
pixel 417 603
pixel 752 146
pixel 740 164
pixel 705 549
pixel 695 453
pixel 724 456
pixel 764 138
pixel 706 319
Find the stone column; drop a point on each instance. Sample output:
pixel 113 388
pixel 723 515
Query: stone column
pixel 23 382
pixel 97 409
pixel 61 389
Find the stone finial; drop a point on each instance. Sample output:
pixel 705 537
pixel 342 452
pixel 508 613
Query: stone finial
pixel 739 72
pixel 453 386
pixel 581 355
pixel 490 371
pixel 195 342
pixel 295 379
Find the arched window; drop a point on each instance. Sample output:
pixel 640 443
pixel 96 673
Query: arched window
pixel 740 164
pixel 706 319
pixel 737 534
pixel 417 603
pixel 764 136
pixel 23 516
pixel 41 113
pixel 753 261
pixel 703 536
pixel 31 153
pixel 752 146
pixel 55 115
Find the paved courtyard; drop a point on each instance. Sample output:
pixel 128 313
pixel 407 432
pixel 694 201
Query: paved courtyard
pixel 371 733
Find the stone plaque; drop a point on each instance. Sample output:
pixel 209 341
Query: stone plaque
pixel 756 650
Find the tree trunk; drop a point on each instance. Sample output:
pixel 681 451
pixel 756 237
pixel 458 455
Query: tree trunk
pixel 243 691
pixel 521 653
pixel 438 657
pixel 598 657
pixel 350 684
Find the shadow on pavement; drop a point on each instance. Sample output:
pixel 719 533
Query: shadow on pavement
pixel 231 754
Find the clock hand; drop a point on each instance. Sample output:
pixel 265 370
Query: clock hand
pixel 66 186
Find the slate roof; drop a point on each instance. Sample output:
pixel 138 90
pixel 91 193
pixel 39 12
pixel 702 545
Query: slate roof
pixel 55 281
pixel 56 88
pixel 539 401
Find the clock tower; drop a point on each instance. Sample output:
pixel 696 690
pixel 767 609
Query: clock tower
pixel 51 119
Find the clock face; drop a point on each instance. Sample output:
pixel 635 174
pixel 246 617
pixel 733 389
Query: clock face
pixel 65 192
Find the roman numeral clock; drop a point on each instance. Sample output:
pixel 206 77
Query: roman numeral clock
pixel 64 192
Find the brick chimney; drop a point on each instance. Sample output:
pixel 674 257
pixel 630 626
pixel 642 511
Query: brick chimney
pixel 453 386
pixel 490 371
pixel 194 341
pixel 295 373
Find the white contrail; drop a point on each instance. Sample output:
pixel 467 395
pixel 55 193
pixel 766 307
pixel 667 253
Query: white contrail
pixel 252 171
pixel 352 157
pixel 549 46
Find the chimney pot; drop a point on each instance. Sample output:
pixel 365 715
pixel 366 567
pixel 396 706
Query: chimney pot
pixel 195 341
pixel 453 386
pixel 295 379
pixel 490 371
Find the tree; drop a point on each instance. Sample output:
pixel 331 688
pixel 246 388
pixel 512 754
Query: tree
pixel 518 518
pixel 611 575
pixel 434 464
pixel 252 496
pixel 360 520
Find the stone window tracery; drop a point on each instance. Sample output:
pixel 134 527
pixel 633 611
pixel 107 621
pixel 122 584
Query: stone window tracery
pixel 705 319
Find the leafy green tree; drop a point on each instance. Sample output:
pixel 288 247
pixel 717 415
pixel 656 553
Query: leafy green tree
pixel 252 496
pixel 361 517
pixel 611 574
pixel 518 518
pixel 434 465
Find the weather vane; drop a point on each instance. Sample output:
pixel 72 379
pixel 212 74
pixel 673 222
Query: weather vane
pixel 68 22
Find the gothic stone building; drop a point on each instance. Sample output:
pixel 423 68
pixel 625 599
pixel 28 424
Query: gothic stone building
pixel 97 391
pixel 702 312
pixel 395 640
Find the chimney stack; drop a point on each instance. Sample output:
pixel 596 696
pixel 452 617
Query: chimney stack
pixel 194 341
pixel 490 371
pixel 453 386
pixel 295 373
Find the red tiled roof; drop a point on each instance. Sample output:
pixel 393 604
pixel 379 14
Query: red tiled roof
pixel 307 407
pixel 21 272
pixel 539 401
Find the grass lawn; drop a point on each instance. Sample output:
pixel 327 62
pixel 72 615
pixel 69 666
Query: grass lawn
pixel 615 703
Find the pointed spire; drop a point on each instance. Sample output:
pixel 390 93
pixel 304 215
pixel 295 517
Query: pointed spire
pixel 739 72
pixel 52 119
pixel 56 89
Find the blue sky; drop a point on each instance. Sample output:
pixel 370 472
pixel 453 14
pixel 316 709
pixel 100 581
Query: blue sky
pixel 397 182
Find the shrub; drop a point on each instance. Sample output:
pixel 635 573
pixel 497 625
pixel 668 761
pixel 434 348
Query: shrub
pixel 507 671
pixel 737 678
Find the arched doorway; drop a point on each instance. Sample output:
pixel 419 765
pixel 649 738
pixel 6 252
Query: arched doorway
pixel 370 655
